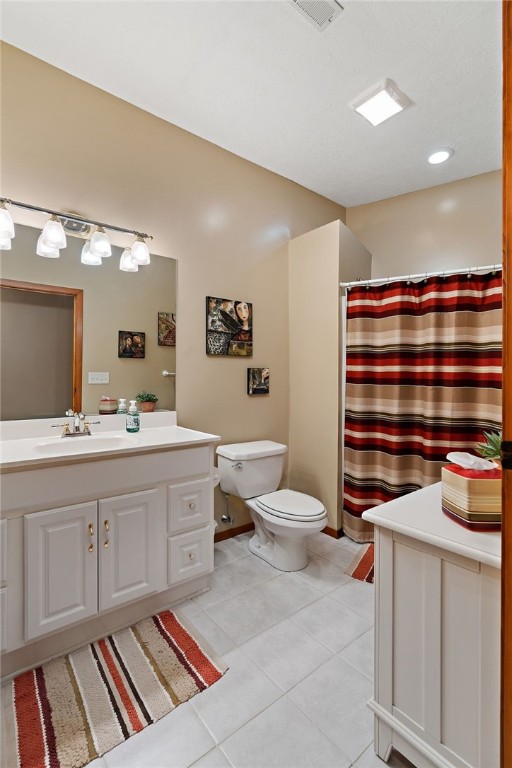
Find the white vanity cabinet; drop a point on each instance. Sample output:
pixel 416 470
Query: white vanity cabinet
pixel 87 558
pixel 97 542
pixel 437 636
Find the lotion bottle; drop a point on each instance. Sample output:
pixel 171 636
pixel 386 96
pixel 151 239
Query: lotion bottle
pixel 133 418
pixel 122 405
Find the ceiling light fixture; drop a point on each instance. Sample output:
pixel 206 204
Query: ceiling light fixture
pixel 381 102
pixel 53 236
pixel 441 156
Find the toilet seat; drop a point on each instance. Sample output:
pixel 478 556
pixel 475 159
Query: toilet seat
pixel 291 505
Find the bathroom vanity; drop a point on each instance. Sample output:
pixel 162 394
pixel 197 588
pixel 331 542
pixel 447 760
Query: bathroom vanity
pixel 99 531
pixel 437 635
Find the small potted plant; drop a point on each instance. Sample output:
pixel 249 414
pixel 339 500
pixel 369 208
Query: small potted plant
pixel 146 401
pixel 490 448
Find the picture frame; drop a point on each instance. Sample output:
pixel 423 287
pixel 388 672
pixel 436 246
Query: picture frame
pixel 228 327
pixel 131 344
pixel 166 329
pixel 258 381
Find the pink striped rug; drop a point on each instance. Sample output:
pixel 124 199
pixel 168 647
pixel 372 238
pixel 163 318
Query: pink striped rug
pixel 75 708
pixel 362 565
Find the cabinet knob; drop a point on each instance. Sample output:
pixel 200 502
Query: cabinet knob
pixel 192 555
pixel 107 526
pixel 91 529
pixel 106 543
pixel 192 505
pixel 91 547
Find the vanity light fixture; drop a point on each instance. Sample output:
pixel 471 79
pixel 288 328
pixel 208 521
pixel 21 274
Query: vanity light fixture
pixel 53 237
pixel 441 156
pixel 381 102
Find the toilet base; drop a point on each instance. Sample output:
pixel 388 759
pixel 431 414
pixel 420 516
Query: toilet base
pixel 291 557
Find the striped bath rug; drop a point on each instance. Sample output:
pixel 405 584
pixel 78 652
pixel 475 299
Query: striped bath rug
pixel 362 565
pixel 75 708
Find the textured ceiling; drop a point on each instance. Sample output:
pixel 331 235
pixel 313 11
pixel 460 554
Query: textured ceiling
pixel 259 80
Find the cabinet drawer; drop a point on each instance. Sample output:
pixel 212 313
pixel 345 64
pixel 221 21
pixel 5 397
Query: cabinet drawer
pixel 189 505
pixel 190 555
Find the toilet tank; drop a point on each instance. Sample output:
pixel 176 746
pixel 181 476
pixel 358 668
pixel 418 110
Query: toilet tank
pixel 251 469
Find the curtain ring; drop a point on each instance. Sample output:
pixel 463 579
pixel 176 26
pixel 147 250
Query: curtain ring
pixel 409 280
pixel 425 278
pixel 469 275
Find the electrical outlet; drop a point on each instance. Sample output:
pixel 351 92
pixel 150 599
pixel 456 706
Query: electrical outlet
pixel 99 377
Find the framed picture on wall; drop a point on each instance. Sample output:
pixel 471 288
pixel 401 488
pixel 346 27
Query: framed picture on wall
pixel 132 344
pixel 258 381
pixel 228 327
pixel 166 329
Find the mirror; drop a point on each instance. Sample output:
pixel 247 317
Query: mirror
pixel 113 302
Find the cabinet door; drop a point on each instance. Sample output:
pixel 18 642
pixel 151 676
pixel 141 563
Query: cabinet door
pixel 127 542
pixel 60 568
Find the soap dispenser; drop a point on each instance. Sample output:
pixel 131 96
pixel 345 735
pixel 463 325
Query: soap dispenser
pixel 122 405
pixel 133 418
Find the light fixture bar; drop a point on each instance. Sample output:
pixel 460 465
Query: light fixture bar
pixel 80 219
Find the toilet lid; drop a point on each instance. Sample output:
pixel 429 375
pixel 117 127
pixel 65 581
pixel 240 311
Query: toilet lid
pixel 291 505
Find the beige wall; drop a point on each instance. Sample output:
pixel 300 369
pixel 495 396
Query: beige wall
pixel 450 226
pixel 69 146
pixel 318 261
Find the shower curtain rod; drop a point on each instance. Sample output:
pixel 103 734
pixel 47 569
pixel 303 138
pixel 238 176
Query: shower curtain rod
pixel 422 276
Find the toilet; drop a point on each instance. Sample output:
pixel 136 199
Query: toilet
pixel 283 519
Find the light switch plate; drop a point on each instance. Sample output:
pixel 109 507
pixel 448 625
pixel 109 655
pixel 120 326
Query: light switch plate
pixel 99 377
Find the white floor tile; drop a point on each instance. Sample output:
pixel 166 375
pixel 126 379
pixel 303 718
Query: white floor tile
pixel 231 549
pixel 321 542
pixel 245 615
pixel 283 737
pixel 243 692
pixel 222 587
pixel 219 641
pixel 360 654
pixel 175 741
pixel 214 759
pixel 252 570
pixel 343 555
pixel 334 697
pixel 359 596
pixel 286 653
pixel 323 575
pixel 332 624
pixel 287 593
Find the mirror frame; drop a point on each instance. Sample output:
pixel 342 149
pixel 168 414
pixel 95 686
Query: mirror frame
pixel 78 311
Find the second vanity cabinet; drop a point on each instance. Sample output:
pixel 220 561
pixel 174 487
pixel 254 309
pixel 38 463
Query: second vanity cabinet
pixel 87 558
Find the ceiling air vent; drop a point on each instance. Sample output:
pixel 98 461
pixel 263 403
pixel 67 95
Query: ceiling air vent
pixel 319 12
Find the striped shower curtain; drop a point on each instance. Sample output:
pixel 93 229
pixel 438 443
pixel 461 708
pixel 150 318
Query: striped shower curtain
pixel 423 377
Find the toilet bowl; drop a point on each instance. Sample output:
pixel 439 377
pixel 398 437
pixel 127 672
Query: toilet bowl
pixel 283 520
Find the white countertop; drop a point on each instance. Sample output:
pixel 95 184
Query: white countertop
pixel 419 515
pixel 25 453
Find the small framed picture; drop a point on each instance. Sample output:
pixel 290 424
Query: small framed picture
pixel 258 381
pixel 166 329
pixel 132 344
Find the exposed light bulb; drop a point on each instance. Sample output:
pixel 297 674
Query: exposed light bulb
pixel 6 223
pixel 53 235
pixel 126 262
pixel 89 258
pixel 5 243
pixel 140 252
pixel 100 244
pixel 45 250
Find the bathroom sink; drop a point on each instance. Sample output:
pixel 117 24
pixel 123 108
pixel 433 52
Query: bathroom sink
pixel 63 446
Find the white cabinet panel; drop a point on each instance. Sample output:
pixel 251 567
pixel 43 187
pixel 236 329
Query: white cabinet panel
pixel 189 505
pixel 127 531
pixel 190 555
pixel 3 551
pixel 3 614
pixel 60 568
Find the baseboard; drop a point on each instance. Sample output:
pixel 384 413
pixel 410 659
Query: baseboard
pixel 234 532
pixel 333 532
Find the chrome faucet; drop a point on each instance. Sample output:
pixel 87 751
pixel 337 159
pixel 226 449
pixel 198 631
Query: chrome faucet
pixel 80 425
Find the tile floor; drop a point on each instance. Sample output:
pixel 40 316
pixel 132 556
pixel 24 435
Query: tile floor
pixel 300 652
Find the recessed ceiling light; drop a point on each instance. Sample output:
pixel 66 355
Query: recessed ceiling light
pixel 441 156
pixel 380 102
